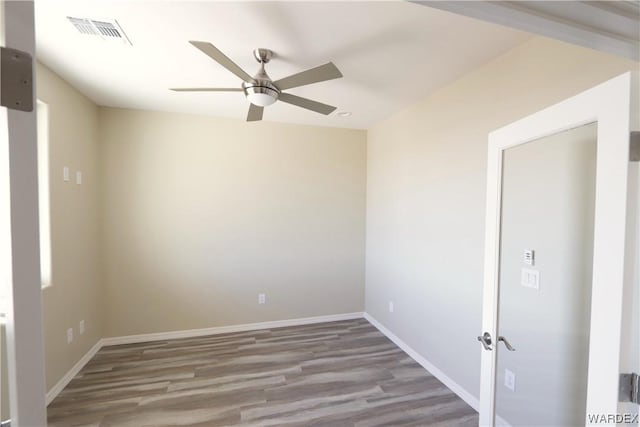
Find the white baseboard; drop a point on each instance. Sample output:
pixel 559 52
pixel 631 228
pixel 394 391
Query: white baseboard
pixel 160 336
pixel 445 379
pixel 60 385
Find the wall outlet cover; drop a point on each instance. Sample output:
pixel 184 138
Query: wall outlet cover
pixel 391 308
pixel 530 278
pixel 510 380
pixel 81 327
pixel 262 299
pixel 69 335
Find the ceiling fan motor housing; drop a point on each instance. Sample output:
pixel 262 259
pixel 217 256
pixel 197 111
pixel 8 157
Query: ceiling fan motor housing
pixel 261 91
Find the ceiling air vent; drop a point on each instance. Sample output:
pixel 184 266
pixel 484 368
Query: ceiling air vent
pixel 106 29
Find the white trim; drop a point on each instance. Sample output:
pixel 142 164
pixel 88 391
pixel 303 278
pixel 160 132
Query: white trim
pixel 60 385
pixel 190 333
pixel 436 372
pixel 20 246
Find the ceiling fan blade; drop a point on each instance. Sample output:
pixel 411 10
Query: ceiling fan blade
pixel 321 73
pixel 206 89
pixel 222 59
pixel 299 101
pixel 255 113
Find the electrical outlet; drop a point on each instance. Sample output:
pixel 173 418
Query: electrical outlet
pixel 79 177
pixel 65 173
pixel 69 335
pixel 262 299
pixel 391 308
pixel 530 278
pixel 509 380
pixel 81 327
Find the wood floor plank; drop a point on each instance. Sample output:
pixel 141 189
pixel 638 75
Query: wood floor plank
pixel 336 374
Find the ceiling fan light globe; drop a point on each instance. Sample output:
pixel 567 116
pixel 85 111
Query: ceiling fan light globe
pixel 261 99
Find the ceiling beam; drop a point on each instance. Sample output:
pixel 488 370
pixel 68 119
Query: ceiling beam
pixel 609 26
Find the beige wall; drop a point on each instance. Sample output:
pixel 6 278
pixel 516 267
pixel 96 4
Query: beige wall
pixel 426 176
pixel 76 290
pixel 202 214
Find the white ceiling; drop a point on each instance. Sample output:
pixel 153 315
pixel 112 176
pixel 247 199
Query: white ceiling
pixel 391 54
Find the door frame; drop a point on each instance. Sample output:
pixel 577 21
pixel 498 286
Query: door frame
pixel 608 104
pixel 19 220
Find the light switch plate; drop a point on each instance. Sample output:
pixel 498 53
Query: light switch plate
pixel 262 299
pixel 510 380
pixel 391 308
pixel 530 278
pixel 65 173
pixel 69 335
pixel 78 177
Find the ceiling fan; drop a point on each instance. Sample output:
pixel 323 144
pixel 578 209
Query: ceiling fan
pixel 260 90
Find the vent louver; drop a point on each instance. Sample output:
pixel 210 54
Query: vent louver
pixel 107 29
pixel 83 25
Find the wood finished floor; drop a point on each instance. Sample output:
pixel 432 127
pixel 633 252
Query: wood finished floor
pixel 334 374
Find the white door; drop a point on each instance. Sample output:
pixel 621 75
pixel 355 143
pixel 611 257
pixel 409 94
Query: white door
pixel 555 261
pixel 20 292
